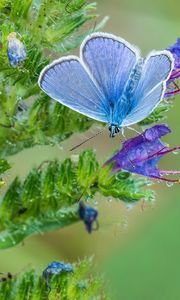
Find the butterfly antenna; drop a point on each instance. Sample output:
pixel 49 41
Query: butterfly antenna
pixel 91 137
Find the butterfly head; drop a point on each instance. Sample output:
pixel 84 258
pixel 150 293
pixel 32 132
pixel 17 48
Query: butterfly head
pixel 114 129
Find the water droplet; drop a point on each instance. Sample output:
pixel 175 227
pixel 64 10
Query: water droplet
pixel 95 202
pixel 149 183
pixel 117 177
pixel 130 205
pixel 109 199
pixel 88 198
pixel 169 184
pixel 19 98
pixel 124 223
pixel 175 152
pixel 13 241
pixel 75 158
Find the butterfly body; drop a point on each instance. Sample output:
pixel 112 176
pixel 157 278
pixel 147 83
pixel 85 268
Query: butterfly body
pixel 110 82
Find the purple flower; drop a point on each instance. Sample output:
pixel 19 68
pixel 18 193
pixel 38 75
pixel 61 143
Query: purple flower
pixel 142 153
pixel 172 86
pixel 89 216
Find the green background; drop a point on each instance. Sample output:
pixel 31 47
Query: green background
pixel 139 250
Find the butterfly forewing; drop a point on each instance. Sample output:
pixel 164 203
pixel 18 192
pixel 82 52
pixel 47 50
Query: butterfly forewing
pixel 110 61
pixel 68 82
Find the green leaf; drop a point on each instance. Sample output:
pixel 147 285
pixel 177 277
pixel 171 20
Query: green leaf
pixel 123 186
pixel 48 197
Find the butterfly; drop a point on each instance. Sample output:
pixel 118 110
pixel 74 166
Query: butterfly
pixel 110 82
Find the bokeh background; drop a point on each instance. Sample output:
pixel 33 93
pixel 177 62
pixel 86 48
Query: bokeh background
pixel 138 249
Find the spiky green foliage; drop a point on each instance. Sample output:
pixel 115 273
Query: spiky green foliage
pixel 82 284
pixel 27 117
pixel 44 123
pixel 48 197
pixel 4 166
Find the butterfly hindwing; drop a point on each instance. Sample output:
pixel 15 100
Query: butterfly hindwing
pixel 151 87
pixel 148 104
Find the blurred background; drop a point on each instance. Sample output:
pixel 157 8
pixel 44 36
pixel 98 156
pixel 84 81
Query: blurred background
pixel 139 248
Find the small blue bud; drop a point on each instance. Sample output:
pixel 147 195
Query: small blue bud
pixel 89 216
pixel 56 267
pixel 16 50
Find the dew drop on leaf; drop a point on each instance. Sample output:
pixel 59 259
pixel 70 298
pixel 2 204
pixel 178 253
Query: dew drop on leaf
pixel 149 183
pixel 169 184
pixel 175 152
pixel 95 202
pixel 131 205
pixel 109 199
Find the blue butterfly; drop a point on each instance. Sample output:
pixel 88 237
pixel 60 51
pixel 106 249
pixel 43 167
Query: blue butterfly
pixel 110 82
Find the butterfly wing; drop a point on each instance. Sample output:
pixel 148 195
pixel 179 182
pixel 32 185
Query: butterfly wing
pixel 110 60
pixel 92 83
pixel 67 81
pixel 151 87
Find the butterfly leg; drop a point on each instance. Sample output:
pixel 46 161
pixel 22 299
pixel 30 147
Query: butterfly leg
pixel 133 129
